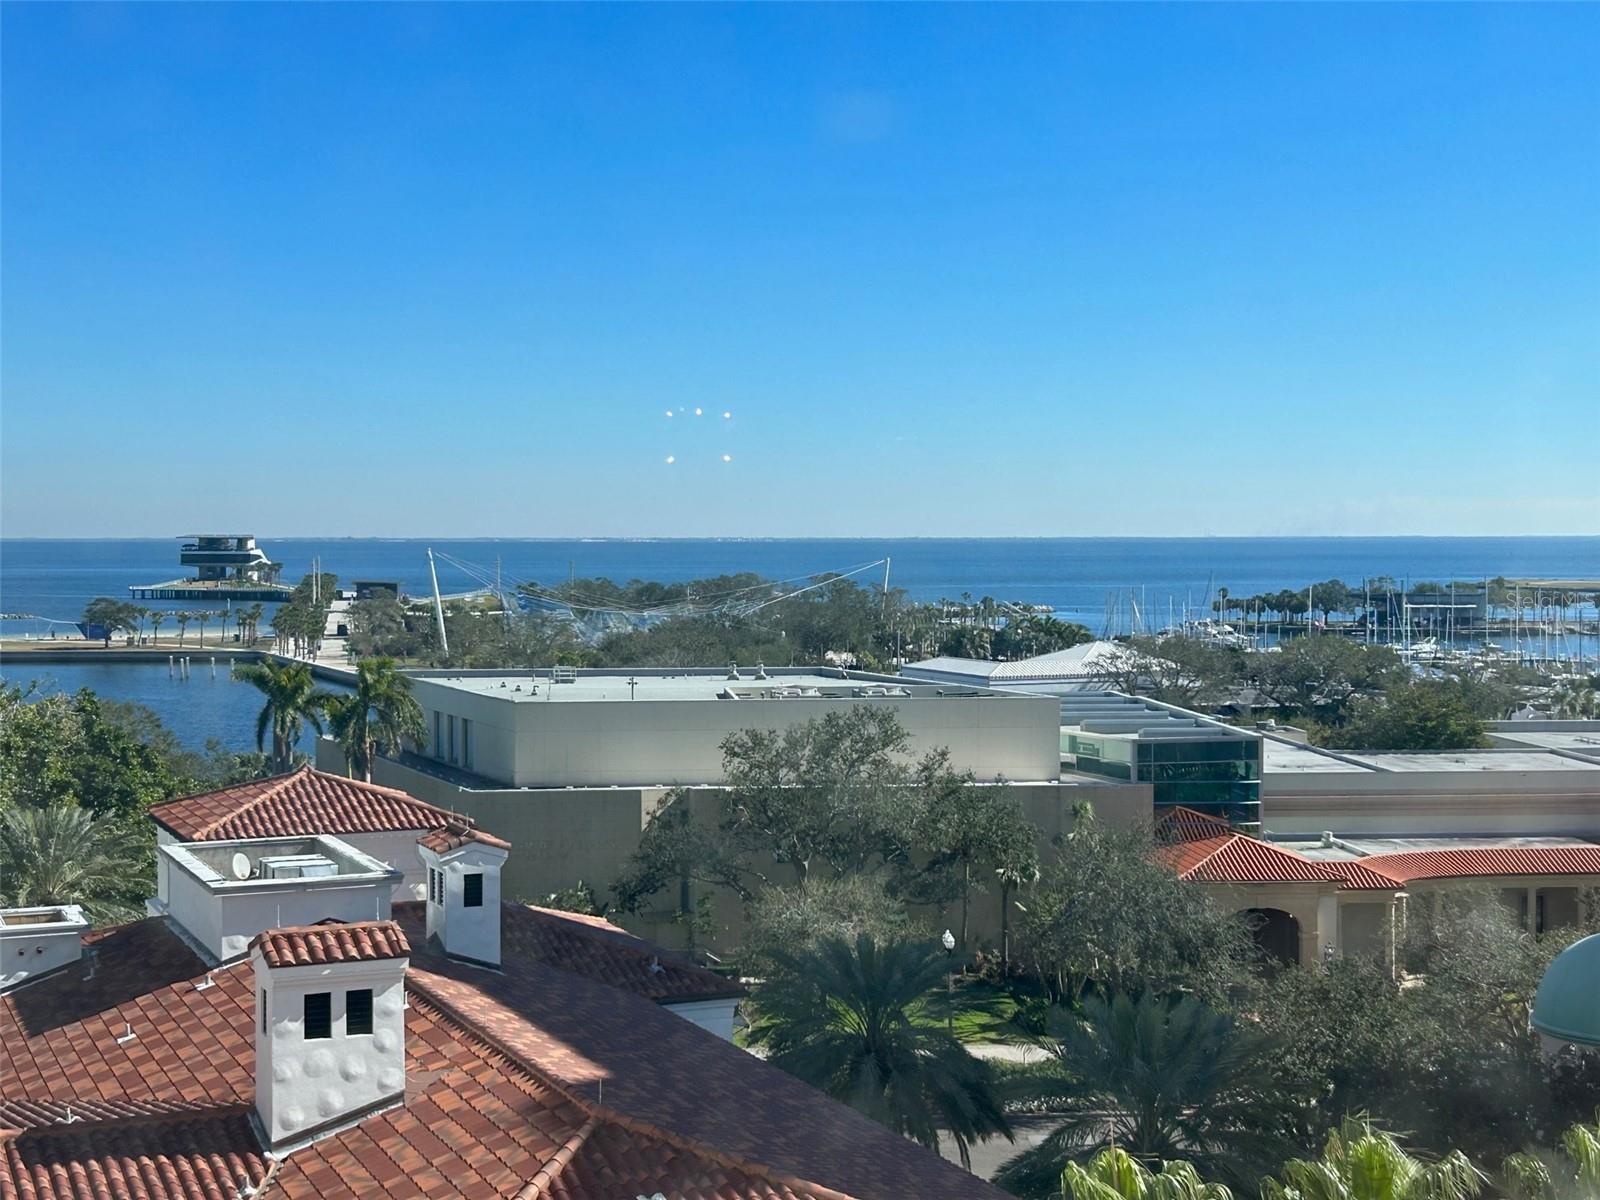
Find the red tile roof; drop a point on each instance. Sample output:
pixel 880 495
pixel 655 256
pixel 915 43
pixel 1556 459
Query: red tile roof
pixel 591 947
pixel 1356 875
pixel 1236 858
pixel 531 1081
pixel 330 942
pixel 1202 848
pixel 458 834
pixel 202 1156
pixel 299 804
pixel 1486 861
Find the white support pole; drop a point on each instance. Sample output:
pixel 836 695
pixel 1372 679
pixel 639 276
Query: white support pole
pixel 438 605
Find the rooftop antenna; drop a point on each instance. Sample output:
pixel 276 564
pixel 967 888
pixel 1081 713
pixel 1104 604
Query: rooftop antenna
pixel 438 605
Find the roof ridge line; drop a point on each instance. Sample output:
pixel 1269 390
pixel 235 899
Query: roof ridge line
pixel 610 1115
pixel 559 1161
pixel 277 785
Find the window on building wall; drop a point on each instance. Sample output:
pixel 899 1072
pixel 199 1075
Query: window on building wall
pixel 263 1011
pixel 472 890
pixel 451 725
pixel 319 1015
pixel 358 1010
pixel 438 734
pixel 466 742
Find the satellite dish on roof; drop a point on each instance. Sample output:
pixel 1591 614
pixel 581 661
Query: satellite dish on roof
pixel 241 866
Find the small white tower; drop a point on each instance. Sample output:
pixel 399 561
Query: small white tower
pixel 330 1025
pixel 464 891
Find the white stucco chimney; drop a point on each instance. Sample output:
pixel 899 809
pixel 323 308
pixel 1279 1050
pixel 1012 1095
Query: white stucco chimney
pixel 330 1025
pixel 463 905
pixel 35 941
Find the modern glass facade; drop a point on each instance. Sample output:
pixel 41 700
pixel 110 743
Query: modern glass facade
pixel 1220 777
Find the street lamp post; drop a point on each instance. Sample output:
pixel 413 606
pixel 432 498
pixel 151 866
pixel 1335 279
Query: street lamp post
pixel 948 941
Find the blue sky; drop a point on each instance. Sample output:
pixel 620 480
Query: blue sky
pixel 405 270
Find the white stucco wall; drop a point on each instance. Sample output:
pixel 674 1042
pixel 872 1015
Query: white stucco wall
pixel 714 1016
pixel 301 1084
pixel 470 933
pixel 30 948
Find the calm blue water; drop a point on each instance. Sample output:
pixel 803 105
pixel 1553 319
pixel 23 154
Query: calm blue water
pixel 1074 575
pixel 196 709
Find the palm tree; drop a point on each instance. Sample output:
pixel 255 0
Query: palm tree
pixel 156 618
pixel 222 636
pixel 1574 1176
pixel 1363 1163
pixel 1161 1077
pixel 201 615
pixel 378 717
pixel 183 624
pixel 857 1021
pixel 293 701
pixel 64 854
pixel 1115 1174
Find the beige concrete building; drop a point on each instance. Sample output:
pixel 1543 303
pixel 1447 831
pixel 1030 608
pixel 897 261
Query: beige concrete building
pixel 1513 790
pixel 572 728
pixel 571 765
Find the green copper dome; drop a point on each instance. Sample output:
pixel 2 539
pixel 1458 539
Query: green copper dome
pixel 1567 1005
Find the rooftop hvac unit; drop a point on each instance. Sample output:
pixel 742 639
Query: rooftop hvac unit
pixel 563 675
pixel 298 866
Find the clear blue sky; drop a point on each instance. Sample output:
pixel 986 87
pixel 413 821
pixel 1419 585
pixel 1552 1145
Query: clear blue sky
pixel 411 270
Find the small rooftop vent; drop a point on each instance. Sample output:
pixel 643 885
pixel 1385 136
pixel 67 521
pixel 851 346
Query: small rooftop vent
pixel 297 866
pixel 733 671
pixel 761 671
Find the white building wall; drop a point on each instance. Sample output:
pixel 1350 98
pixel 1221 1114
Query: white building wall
pixel 31 948
pixel 714 1016
pixel 304 1084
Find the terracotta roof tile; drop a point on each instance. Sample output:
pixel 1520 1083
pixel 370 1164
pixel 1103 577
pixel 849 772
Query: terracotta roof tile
pixel 298 804
pixel 1358 876
pixel 591 947
pixel 1487 860
pixel 212 1156
pixel 524 1082
pixel 658 1075
pixel 306 945
pixel 458 834
pixel 1235 858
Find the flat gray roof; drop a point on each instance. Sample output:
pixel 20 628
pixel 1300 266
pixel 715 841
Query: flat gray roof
pixel 1290 757
pixel 711 684
pixel 1115 713
pixel 1346 849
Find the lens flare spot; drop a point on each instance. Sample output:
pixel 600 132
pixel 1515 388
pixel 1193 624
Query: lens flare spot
pixel 669 412
pixel 727 416
pixel 697 412
pixel 671 458
pixel 727 458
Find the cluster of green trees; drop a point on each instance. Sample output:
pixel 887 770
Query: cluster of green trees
pixel 1165 1033
pixel 1347 694
pixel 77 774
pixel 853 624
pixel 831 814
pixel 301 621
pixel 1360 1161
pixel 119 616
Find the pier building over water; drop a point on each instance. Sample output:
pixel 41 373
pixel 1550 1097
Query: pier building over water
pixel 228 566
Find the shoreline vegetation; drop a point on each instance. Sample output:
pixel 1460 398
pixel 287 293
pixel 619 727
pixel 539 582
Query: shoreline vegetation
pixel 1346 693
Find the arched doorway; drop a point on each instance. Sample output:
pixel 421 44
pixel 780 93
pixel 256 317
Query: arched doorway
pixel 1276 933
